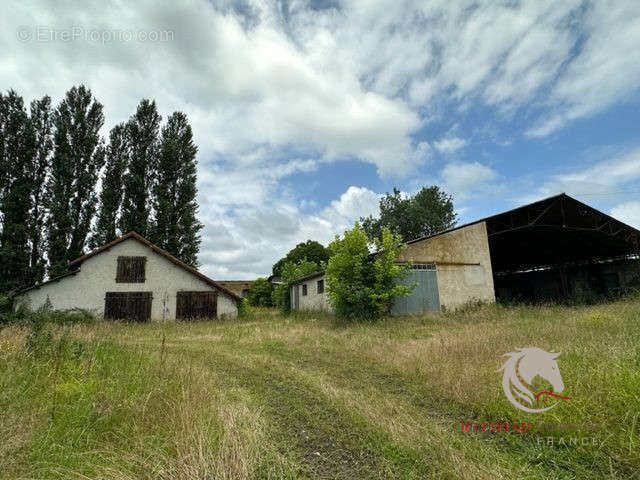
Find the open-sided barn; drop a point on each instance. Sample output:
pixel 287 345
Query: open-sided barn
pixel 131 278
pixel 551 249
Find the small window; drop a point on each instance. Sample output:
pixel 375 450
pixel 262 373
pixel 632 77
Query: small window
pixel 304 290
pixel 320 286
pixel 131 270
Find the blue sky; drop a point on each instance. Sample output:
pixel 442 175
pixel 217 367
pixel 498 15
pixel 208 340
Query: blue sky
pixel 305 112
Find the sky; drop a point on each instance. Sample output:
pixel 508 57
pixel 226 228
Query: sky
pixel 306 112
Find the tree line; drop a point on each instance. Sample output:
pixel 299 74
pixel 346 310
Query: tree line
pixel 52 161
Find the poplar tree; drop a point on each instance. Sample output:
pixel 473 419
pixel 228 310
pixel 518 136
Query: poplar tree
pixel 176 227
pixel 42 122
pixel 117 157
pixel 143 130
pixel 78 155
pixel 17 145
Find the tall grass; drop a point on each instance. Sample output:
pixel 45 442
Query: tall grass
pixel 302 397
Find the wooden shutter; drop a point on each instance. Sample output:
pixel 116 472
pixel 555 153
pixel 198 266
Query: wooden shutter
pixel 191 305
pixel 128 306
pixel 131 270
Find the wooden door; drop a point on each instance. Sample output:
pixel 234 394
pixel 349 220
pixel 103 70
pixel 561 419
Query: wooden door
pixel 134 306
pixel 191 305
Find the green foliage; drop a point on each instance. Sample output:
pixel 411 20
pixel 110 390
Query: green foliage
pixel 261 293
pixel 24 315
pixel 117 158
pixel 244 309
pixel 427 212
pixel 142 129
pixel 309 250
pixel 292 271
pixel 77 158
pixel 176 227
pixel 42 124
pixel 360 285
pixel 6 309
pixel 387 272
pixel 17 148
pixel 49 166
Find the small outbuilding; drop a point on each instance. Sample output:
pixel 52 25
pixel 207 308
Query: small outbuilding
pixel 131 278
pixel 549 250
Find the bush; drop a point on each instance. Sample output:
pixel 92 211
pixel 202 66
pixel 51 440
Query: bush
pixel 244 310
pixel 260 294
pixel 46 314
pixel 361 285
pixel 6 309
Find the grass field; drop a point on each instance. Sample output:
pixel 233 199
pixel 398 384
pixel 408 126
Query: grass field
pixel 299 397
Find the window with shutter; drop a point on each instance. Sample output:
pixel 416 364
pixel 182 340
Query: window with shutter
pixel 131 269
pixel 304 289
pixel 320 286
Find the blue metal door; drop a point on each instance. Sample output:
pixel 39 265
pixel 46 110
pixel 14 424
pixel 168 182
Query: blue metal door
pixel 424 298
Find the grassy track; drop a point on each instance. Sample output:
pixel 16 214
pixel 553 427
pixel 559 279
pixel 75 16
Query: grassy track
pixel 299 397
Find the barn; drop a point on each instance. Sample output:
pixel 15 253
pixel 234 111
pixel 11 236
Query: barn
pixel 131 278
pixel 549 250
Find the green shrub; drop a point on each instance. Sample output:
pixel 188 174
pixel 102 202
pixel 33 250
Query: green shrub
pixel 6 309
pixel 24 315
pixel 244 310
pixel 361 285
pixel 261 293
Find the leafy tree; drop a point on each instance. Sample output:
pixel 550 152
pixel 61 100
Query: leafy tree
pixel 42 123
pixel 309 250
pixel 117 156
pixel 78 155
pixel 260 294
pixel 290 272
pixel 176 227
pixel 17 145
pixel 427 212
pixel 143 130
pixel 361 285
pixel 387 272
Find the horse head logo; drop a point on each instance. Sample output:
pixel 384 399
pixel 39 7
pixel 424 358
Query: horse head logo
pixel 521 368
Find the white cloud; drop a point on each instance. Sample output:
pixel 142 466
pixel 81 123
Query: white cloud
pixel 605 177
pixel 601 74
pixel 271 94
pixel 628 213
pixel 242 89
pixel 464 180
pixel 246 242
pixel 450 145
pixel 356 202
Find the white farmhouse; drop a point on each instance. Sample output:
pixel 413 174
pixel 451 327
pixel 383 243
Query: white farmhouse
pixel 131 278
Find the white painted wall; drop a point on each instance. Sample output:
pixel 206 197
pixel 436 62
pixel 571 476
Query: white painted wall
pixel 312 300
pixel 97 276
